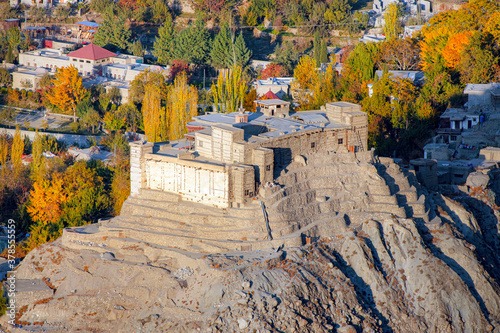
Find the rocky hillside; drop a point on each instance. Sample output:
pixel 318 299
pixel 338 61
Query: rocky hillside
pixel 380 253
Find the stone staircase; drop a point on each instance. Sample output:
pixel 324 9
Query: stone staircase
pixel 159 219
pixel 403 186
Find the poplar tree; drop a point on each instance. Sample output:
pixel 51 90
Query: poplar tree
pixel 16 153
pixel 38 158
pixel 392 27
pixel 154 117
pixel 230 90
pixel 4 152
pixel 324 53
pixel 317 48
pixel 182 106
pixel 162 48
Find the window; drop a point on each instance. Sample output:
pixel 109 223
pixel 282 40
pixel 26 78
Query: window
pixel 200 144
pixel 453 138
pixel 247 192
pixel 313 144
pixel 81 60
pixel 74 59
pixel 341 141
pixel 88 61
pixel 268 168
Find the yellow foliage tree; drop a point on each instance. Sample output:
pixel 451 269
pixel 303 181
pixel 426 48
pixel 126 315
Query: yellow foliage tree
pixel 306 77
pixel 392 27
pixel 230 90
pixel 46 200
pixel 67 91
pixel 182 106
pixel 154 115
pixel 4 152
pixel 16 153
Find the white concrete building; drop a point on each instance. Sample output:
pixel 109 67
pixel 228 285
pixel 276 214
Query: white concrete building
pixel 278 85
pixel 482 95
pixel 97 64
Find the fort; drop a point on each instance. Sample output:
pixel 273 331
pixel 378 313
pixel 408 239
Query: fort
pixel 248 181
pixel 229 156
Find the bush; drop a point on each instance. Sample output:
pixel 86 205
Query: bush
pixel 75 126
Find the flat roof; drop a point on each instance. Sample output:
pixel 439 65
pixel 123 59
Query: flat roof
pixel 271 102
pixel 88 24
pixel 479 87
pixel 343 104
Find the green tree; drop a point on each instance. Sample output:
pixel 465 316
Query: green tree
pixel 317 48
pixel 192 44
pixel 392 27
pixel 132 116
pixel 113 33
pixel 37 166
pixel 137 49
pixel 478 60
pixel 242 52
pixel 222 51
pixel 163 45
pixel 5 77
pixel 324 53
pixel 287 56
pixel 91 119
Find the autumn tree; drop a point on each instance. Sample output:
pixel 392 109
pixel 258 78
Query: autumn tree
pixel 154 115
pixel 67 91
pixel 178 67
pixel 17 150
pixel 392 27
pixel 4 152
pixel 400 54
pixel 73 198
pixel 145 78
pixel 181 107
pixel 229 91
pixel 273 70
pixel 305 77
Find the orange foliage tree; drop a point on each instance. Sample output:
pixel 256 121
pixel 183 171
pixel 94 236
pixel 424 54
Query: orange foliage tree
pixel 453 49
pixel 67 91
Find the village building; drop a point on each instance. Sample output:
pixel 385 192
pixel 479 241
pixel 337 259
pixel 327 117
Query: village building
pixel 227 157
pixel 96 64
pixel 278 85
pixel 482 95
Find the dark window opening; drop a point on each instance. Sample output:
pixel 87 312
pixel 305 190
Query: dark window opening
pixel 341 141
pixel 268 168
pixel 247 192
pixel 313 144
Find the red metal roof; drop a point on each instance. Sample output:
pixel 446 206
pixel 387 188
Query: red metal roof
pixel 269 95
pixel 92 52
